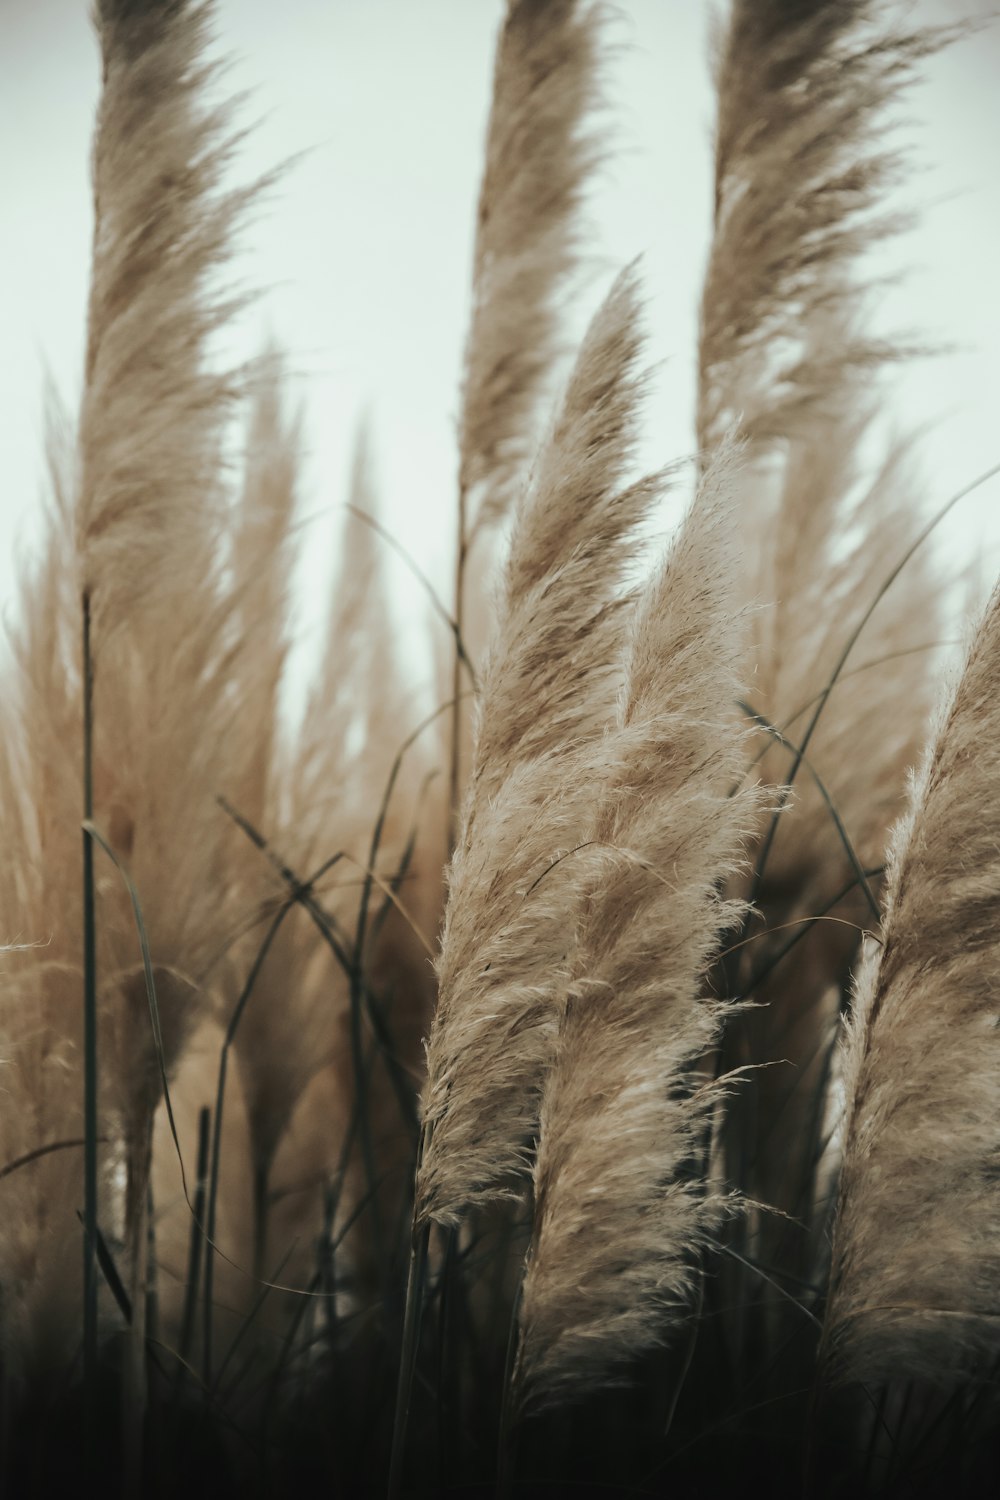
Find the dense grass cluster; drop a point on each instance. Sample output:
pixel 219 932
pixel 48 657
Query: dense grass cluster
pixel 590 1076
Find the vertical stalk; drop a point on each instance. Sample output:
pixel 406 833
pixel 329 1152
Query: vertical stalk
pixel 261 1193
pixel 152 1272
pixel 208 1308
pixel 813 1411
pixel 454 777
pixel 89 1062
pixel 408 1355
pixel 361 1078
pixel 419 1243
pixel 445 1414
pixel 509 1429
pixel 220 1099
pixel 134 1391
pixel 194 1245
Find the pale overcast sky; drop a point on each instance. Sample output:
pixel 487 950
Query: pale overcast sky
pixel 365 248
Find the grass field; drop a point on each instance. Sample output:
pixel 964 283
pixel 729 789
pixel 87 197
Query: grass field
pixel 583 1077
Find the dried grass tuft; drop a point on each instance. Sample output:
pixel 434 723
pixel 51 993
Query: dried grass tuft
pixel 915 1258
pixel 622 1208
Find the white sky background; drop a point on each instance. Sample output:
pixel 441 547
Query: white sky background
pixel 365 248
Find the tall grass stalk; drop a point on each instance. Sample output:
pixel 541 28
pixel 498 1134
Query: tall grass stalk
pixel 412 1320
pixel 197 1234
pixel 208 1316
pixel 458 606
pixel 90 1073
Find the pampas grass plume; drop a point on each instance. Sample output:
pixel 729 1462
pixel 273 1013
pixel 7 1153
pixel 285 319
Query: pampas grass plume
pixel 916 1261
pixel 621 1205
pixel 548 690
pixel 539 154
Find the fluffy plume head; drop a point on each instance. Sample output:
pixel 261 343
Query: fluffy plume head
pixel 149 499
pixel 620 1207
pixel 139 538
pixel 150 502
pixel 784 348
pixel 260 579
pixel 540 150
pixel 547 694
pixel 803 84
pixel 915 1257
pixel 538 156
pixel 40 1011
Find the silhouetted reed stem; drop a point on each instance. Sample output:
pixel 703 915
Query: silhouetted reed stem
pixel 455 764
pixel 220 1098
pixel 90 1130
pixel 415 1282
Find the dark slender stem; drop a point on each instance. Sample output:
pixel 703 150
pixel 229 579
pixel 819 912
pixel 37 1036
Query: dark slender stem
pixel 89 1059
pixel 852 641
pixel 194 1247
pixel 687 1357
pixel 28 1157
pixel 878 1424
pixel 408 1355
pixel 207 1308
pixel 453 625
pixel 509 1427
pixel 445 1284
pixel 803 930
pixel 455 769
pixel 220 1098
pixel 266 1288
pixel 261 1189
pixel 367 1144
pixel 152 1269
pixel 831 806
pixel 360 994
